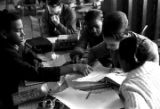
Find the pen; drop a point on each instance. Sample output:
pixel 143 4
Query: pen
pixel 89 93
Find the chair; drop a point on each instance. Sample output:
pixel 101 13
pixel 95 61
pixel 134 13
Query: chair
pixel 35 26
pixel 30 5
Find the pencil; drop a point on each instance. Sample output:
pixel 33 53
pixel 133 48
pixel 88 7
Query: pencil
pixel 89 93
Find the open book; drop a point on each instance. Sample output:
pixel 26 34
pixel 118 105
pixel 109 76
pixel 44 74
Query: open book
pixel 100 79
pixel 115 78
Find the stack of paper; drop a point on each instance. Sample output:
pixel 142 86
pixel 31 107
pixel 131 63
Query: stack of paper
pixel 76 96
pixel 76 99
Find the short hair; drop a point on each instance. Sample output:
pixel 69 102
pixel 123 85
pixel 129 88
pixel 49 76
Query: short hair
pixel 127 48
pixel 54 2
pixel 6 19
pixel 93 14
pixel 113 23
pixel 131 47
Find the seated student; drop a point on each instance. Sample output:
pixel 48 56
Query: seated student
pixel 114 29
pixel 58 19
pixel 91 34
pixel 140 89
pixel 13 66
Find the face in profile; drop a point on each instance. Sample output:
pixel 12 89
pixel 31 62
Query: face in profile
pixel 16 33
pixel 95 27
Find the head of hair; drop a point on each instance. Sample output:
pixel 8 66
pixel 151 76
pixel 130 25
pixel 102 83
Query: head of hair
pixel 113 23
pixel 54 2
pixel 93 14
pixel 127 48
pixel 132 47
pixel 6 19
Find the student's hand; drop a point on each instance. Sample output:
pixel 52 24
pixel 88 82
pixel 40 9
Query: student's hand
pixel 83 69
pixel 115 70
pixel 55 19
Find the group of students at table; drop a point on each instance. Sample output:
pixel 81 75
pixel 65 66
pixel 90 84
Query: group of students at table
pixel 105 40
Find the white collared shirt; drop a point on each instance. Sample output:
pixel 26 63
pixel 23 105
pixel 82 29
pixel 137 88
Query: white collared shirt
pixel 141 88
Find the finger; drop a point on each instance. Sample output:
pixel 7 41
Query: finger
pixel 85 73
pixel 88 71
pixel 90 68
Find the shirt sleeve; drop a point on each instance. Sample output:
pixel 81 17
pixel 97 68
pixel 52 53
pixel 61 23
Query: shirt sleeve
pixel 27 71
pixel 96 52
pixel 83 41
pixel 133 100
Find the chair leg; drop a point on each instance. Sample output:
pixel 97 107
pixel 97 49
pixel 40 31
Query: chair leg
pixel 32 29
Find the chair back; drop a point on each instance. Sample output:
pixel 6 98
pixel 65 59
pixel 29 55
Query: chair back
pixel 29 6
pixel 35 26
pixel 143 32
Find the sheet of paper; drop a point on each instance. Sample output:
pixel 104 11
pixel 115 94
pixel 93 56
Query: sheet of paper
pixel 117 77
pixel 98 74
pixel 76 99
pixel 92 77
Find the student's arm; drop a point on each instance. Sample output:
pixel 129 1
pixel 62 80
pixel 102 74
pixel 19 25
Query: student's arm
pixel 96 52
pixel 133 100
pixel 83 41
pixel 81 47
pixel 27 71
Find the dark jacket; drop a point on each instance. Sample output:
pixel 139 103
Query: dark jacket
pixel 15 69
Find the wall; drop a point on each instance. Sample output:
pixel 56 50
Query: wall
pixel 140 13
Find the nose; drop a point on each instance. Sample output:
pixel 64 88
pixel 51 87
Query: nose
pixel 22 33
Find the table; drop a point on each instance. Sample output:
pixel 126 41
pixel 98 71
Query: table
pixel 103 98
pixel 74 98
pixel 50 59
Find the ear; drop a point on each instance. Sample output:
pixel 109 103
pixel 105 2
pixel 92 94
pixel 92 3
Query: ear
pixel 3 34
